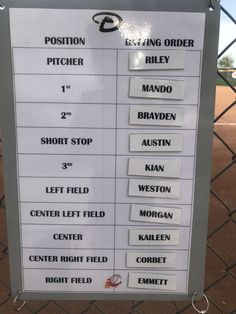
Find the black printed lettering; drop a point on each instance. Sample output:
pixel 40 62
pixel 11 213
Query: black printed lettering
pixel 44 213
pixel 43 258
pixel 80 280
pixel 146 88
pixel 65 61
pixel 65 41
pixel 154 168
pixel 58 280
pixel 153 281
pixel 179 42
pixel 154 237
pixel 157 60
pixel 148 42
pixel 154 188
pixel 157 116
pixel 151 260
pixel 156 214
pixel 67 237
pixel 156 142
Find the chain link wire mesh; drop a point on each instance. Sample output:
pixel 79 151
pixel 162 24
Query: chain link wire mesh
pixel 220 282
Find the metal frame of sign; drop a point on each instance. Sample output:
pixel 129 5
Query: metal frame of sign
pixel 205 127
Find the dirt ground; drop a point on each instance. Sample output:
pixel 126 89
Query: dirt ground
pixel 224 97
pixel 226 129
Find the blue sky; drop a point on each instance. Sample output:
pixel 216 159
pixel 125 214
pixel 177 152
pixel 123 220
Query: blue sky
pixel 228 28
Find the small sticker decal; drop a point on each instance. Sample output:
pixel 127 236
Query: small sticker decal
pixel 113 281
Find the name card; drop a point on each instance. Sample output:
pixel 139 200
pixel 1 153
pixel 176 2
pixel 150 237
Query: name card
pixel 152 281
pixel 154 168
pixel 154 188
pixel 153 237
pixel 157 60
pixel 156 115
pixel 153 88
pixel 151 260
pixel 155 214
pixel 156 142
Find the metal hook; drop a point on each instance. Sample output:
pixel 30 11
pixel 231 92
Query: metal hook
pixel 211 6
pixel 207 303
pixel 2 6
pixel 16 299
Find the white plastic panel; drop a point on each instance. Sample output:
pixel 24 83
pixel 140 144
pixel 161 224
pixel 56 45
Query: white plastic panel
pixel 80 153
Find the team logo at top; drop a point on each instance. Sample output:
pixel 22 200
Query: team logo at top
pixel 108 21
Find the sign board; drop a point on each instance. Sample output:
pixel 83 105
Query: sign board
pixel 107 114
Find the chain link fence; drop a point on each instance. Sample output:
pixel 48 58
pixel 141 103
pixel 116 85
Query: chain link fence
pixel 220 281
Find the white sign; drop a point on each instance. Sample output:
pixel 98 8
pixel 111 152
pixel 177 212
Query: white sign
pixel 104 99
